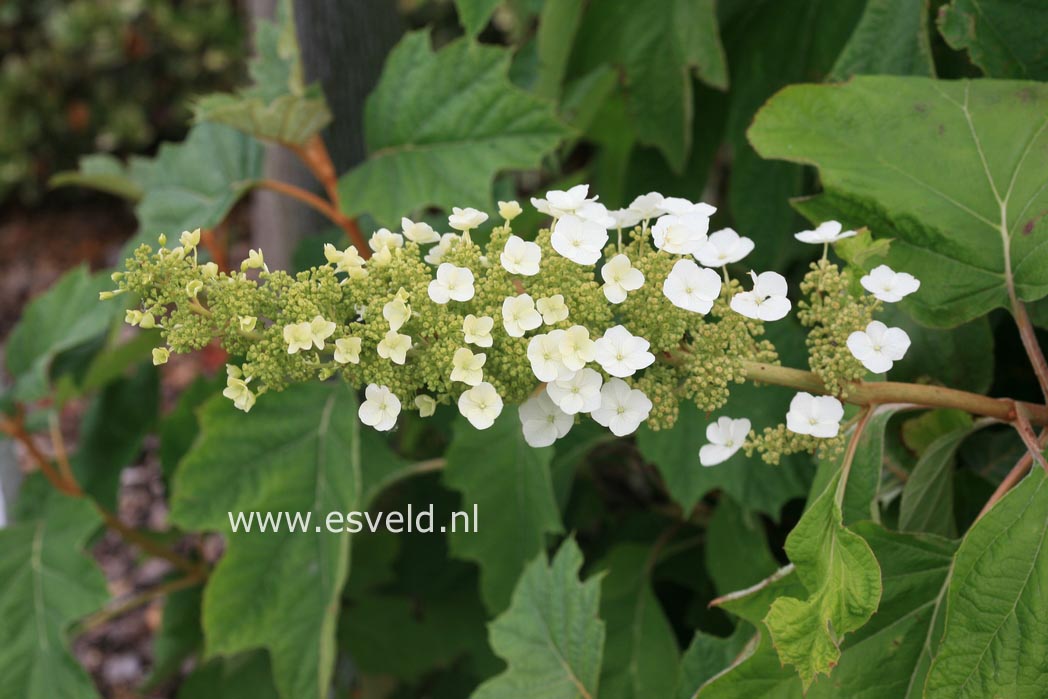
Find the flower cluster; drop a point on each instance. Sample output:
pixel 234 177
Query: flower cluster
pixel 568 324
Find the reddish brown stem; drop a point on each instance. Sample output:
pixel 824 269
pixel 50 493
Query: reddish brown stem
pixel 1013 477
pixel 314 154
pixel 324 207
pixel 1033 348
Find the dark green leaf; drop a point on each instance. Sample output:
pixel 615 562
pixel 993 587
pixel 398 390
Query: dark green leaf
pixel 737 554
pixel 474 14
pixel 927 498
pixel 708 655
pixel 180 634
pixel 1003 37
pixel 960 357
pixel 890 39
pixel 245 676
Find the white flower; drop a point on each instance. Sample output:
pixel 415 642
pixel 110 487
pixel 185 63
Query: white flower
pixel 133 317
pixel 247 323
pixel 622 408
pixel 620 277
pixel 347 350
pixel 426 405
pixel 828 232
pixel 625 218
pixel 562 203
pixel 767 300
pixel 466 219
pixel 544 356
pixel 542 206
pixel 384 239
pixel 621 353
pixel 148 320
pixel 190 239
pixel 726 437
pixel 888 285
pixel 477 330
pixel 542 421
pixel 468 367
pixel 595 212
pixel 578 393
pixel 380 409
pixel 394 347
pixel 254 261
pixel 301 336
pixel 817 416
pixel 879 346
pixel 396 313
pixel 237 391
pixel 210 269
pixel 160 355
pixel 680 234
pixel 691 287
pixel 480 405
pixel 552 308
pixel 579 240
pixel 521 257
pixel 419 232
pixel 576 347
pixel 678 206
pixel 436 253
pixel 722 248
pixel 519 315
pixel 509 210
pixel 348 261
pixel 648 206
pixel 452 284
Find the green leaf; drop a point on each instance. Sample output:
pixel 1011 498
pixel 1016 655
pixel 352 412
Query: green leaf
pixel 843 579
pixel 512 491
pixel 658 47
pixel 111 433
pixel 707 656
pixel 300 452
pixel 641 653
pixel 550 637
pixel 195 183
pixel 889 153
pixel 997 603
pixel 180 634
pixel 927 497
pixel 737 553
pixel 474 14
pixel 245 676
pixel 107 173
pixel 890 39
pixel 179 428
pixel 1003 37
pixel 46 583
pixel 440 125
pixel 66 315
pixel 558 25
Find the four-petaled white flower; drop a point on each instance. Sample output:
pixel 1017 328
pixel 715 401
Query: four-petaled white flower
pixel 826 232
pixel 385 239
pixel 468 367
pixel 723 247
pixel 579 240
pixel 302 336
pixel 542 422
pixel 481 405
pixel 888 285
pixel 726 437
pixel 622 408
pixel 576 347
pixel 247 323
pixel 426 405
pixel 190 239
pixel 509 210
pixel 648 206
pixel 552 308
pixel 878 347
pixel 678 206
pixel 620 277
pixel 519 315
pixel 561 203
pixel 466 219
pixel 767 300
pixel 818 416
pixel 578 393
pixel 621 353
pixel 419 231
pixel 680 234
pixel 380 408
pixel 347 350
pixel 542 206
pixel 396 313
pixel 394 347
pixel 160 355
pixel 437 252
pixel 237 391
pixel 452 284
pixel 521 257
pixel 544 356
pixel 477 330
pixel 254 261
pixel 691 287
pixel 348 261
pixel 625 218
pixel 595 212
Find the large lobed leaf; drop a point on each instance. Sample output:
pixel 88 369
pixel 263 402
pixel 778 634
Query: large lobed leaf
pixel 297 451
pixel 954 171
pixel 440 125
pixel 550 637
